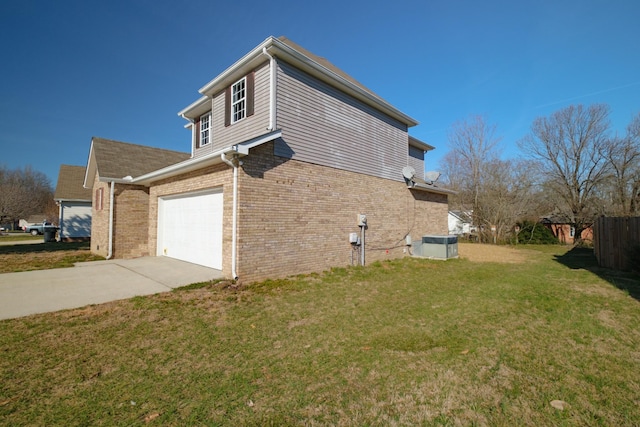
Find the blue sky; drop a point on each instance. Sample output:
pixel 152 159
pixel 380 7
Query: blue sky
pixel 123 69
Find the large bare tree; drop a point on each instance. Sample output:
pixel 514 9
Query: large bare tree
pixel 568 146
pixel 23 192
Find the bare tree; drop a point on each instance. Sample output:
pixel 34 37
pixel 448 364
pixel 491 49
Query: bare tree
pixel 453 173
pixel 23 192
pixel 472 144
pixel 508 196
pixel 623 157
pixel 568 145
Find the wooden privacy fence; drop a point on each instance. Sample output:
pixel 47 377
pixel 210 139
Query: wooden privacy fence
pixel 612 238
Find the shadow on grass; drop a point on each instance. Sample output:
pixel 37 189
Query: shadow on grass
pixel 585 259
pixel 31 248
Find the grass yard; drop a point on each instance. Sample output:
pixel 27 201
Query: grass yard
pixel 19 237
pixel 528 336
pixel 42 256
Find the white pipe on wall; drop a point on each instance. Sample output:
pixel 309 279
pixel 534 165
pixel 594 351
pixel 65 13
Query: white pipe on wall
pixel 111 198
pixel 272 90
pixel 234 224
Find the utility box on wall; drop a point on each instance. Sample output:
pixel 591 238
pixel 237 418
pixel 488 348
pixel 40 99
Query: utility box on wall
pixel 436 247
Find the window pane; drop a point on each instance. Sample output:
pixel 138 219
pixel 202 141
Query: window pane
pixel 238 94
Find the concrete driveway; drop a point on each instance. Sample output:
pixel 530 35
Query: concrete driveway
pixel 43 291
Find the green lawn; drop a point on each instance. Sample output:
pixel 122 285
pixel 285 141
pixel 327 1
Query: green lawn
pixel 43 256
pixel 18 236
pixel 404 343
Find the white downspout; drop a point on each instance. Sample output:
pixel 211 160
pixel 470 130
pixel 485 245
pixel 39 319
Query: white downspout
pixel 60 219
pixel 272 90
pixel 234 221
pixel 111 197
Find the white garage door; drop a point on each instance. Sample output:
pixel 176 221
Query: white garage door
pixel 190 228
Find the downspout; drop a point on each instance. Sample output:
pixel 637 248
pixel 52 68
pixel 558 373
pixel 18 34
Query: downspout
pixel 111 197
pixel 234 222
pixel 272 90
pixel 60 219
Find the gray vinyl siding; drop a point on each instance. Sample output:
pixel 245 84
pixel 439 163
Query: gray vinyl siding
pixel 416 160
pixel 245 129
pixel 324 126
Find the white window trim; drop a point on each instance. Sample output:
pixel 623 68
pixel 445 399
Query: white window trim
pixel 242 101
pixel 207 131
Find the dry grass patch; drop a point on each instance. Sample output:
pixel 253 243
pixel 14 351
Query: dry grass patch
pixel 479 252
pixel 43 256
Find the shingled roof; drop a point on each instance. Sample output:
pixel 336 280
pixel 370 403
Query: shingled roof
pixel 117 159
pixel 69 186
pixel 325 63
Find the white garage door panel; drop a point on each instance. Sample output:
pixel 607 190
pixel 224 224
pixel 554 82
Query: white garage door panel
pixel 190 229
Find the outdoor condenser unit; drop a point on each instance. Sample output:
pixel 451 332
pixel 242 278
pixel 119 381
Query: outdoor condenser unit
pixel 437 247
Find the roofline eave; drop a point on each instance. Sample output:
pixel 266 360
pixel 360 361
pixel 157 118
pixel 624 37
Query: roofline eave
pixel 189 165
pixel 280 49
pixel 430 188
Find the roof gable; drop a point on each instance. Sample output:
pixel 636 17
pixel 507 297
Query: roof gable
pixel 116 160
pixel 288 51
pixel 69 186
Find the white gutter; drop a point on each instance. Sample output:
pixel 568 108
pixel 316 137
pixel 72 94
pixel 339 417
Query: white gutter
pixel 234 226
pixel 111 197
pixel 59 203
pixel 272 90
pixel 430 188
pixel 242 149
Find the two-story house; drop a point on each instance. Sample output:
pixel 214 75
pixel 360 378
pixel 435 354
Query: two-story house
pixel 287 152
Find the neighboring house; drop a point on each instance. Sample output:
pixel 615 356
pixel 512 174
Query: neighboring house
pixel 74 203
pixel 560 226
pixel 286 153
pixel 460 222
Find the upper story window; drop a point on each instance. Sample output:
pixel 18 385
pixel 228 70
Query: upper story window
pixel 205 129
pixel 238 100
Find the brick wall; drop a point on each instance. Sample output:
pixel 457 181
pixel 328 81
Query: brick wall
pixel 100 219
pixel 295 217
pixel 131 221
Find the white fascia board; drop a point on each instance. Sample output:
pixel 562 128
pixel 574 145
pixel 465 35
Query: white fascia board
pixel 241 149
pixel 281 50
pixel 430 188
pixel 420 144
pixel 196 108
pixel 90 170
pixel 245 63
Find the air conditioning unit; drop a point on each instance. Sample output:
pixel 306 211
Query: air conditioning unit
pixel 436 247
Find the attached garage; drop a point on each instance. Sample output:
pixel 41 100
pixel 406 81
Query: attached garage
pixel 190 227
